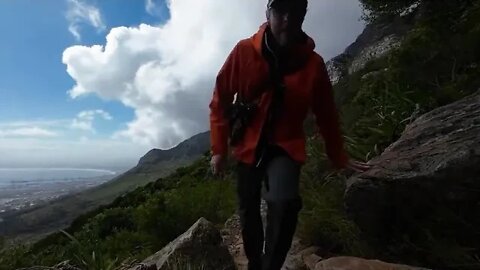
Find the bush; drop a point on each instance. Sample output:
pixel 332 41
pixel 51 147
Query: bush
pixel 323 221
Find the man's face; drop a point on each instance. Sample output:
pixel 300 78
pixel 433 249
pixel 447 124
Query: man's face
pixel 286 19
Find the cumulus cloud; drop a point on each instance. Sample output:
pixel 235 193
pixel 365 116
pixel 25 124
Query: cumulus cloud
pixel 166 73
pixel 79 13
pixel 33 132
pixel 84 120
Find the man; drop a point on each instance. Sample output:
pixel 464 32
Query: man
pixel 274 150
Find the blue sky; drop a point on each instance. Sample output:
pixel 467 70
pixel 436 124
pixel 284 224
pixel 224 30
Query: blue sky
pixel 34 81
pixel 35 108
pixel 97 83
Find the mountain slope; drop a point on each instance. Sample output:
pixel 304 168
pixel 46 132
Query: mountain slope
pixel 35 222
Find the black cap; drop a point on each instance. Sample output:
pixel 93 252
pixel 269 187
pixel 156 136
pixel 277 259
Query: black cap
pixel 271 2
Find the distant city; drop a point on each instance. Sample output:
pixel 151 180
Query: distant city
pixel 24 188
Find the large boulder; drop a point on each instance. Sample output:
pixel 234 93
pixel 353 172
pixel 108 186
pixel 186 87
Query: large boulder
pixel 429 178
pixel 200 247
pixel 352 263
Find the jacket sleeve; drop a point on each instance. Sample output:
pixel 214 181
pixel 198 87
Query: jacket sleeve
pixel 327 118
pixel 223 95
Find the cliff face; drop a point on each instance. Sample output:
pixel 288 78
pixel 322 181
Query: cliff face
pixel 376 41
pixel 190 148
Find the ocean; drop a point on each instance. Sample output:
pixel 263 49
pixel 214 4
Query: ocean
pixel 42 175
pixel 26 187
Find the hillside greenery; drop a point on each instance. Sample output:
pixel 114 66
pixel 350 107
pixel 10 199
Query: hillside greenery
pixel 134 225
pixel 438 63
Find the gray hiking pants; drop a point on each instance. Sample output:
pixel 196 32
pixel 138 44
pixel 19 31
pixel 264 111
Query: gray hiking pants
pixel 280 175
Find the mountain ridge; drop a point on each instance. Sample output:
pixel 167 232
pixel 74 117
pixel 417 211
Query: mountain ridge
pixel 33 223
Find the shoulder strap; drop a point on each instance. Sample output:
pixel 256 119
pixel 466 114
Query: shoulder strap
pixel 276 78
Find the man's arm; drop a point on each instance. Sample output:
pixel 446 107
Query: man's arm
pixel 223 94
pixel 327 119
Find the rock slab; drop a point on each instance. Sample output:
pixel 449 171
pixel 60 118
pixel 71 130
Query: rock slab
pixel 431 174
pixel 200 247
pixel 352 263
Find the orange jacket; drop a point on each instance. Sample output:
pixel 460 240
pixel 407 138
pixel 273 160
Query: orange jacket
pixel 308 87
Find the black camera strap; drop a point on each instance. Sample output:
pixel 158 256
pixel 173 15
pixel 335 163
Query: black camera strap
pixel 276 78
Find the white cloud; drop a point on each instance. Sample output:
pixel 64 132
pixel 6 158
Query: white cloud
pixel 54 144
pixel 59 153
pixel 155 8
pixel 79 13
pixel 84 120
pixel 33 132
pixel 166 73
pixel 82 125
pixel 150 6
pixel 37 123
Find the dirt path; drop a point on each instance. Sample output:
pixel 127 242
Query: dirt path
pixel 232 238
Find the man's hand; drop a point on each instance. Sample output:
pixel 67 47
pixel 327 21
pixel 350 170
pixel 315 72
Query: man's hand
pixel 358 166
pixel 217 164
